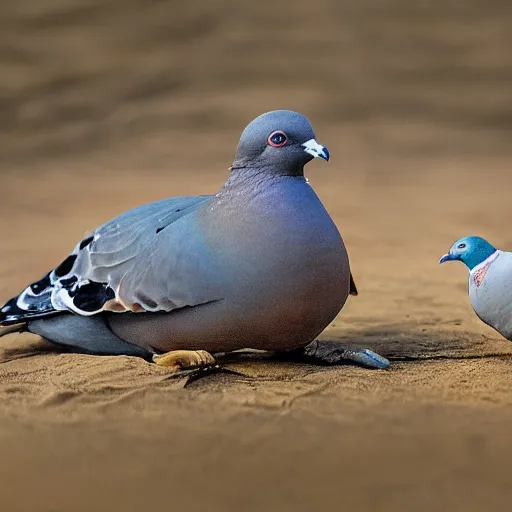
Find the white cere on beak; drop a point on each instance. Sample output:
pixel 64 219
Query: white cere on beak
pixel 315 150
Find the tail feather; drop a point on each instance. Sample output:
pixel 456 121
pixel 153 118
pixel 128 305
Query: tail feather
pixel 34 302
pixel 353 287
pixel 12 314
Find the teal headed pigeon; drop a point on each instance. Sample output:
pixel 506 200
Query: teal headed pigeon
pixel 490 281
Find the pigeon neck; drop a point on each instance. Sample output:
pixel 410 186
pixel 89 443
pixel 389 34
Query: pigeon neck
pixel 485 263
pixel 252 176
pixel 253 180
pixel 478 256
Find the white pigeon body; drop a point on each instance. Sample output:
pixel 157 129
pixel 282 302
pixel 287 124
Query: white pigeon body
pixel 490 292
pixel 489 280
pixel 258 265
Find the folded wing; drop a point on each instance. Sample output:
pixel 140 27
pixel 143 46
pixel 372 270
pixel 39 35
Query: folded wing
pixel 133 263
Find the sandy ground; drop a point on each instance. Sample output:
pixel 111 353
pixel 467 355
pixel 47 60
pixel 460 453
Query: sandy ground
pixel 107 105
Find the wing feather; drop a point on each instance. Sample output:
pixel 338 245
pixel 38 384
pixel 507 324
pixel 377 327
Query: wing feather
pixel 114 268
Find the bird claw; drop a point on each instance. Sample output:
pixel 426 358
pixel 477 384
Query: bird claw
pixel 179 359
pixel 367 358
pixel 333 353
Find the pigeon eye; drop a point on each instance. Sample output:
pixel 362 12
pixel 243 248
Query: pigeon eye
pixel 461 246
pixel 277 139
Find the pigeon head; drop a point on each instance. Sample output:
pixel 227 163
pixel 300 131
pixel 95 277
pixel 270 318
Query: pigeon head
pixel 471 250
pixel 280 142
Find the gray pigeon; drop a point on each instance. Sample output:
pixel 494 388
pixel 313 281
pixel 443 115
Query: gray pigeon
pixel 490 281
pixel 259 265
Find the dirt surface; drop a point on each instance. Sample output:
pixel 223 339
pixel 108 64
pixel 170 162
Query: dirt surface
pixel 105 105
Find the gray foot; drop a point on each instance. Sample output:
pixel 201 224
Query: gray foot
pixel 331 353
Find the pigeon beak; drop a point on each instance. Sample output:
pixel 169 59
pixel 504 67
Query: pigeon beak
pixel 447 257
pixel 311 147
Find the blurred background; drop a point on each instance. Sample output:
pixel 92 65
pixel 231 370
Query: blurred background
pixel 108 104
pixel 133 81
